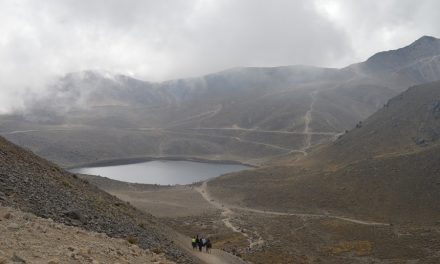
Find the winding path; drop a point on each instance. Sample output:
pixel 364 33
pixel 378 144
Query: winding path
pixel 227 214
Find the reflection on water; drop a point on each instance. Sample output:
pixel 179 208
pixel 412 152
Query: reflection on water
pixel 163 172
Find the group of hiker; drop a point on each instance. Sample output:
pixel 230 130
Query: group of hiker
pixel 199 243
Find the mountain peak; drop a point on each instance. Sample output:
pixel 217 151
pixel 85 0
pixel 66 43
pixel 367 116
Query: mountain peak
pixel 425 42
pixel 426 39
pixel 387 61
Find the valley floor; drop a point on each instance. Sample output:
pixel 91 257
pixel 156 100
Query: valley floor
pixel 260 236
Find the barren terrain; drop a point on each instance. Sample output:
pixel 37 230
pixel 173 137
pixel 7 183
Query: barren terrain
pixel 26 238
pixel 263 236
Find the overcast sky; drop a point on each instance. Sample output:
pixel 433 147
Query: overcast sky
pixel 166 39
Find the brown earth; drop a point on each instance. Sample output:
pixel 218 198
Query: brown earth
pixel 279 237
pixel 182 208
pixel 386 169
pixel 26 238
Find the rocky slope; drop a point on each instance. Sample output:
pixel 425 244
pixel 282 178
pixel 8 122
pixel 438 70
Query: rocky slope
pixel 246 114
pixel 27 238
pixel 35 185
pixel 385 169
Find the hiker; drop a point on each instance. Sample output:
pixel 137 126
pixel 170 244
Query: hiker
pixel 208 246
pixel 200 244
pixel 197 241
pixel 193 243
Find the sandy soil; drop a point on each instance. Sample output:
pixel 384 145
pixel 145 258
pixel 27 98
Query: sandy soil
pixel 26 238
pixel 167 202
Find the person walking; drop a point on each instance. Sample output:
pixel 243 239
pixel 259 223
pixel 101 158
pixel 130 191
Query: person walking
pixel 200 244
pixel 193 243
pixel 208 246
pixel 197 241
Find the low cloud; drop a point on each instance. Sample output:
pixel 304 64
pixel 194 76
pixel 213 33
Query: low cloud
pixel 167 39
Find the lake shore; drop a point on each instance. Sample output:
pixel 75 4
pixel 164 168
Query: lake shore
pixel 134 160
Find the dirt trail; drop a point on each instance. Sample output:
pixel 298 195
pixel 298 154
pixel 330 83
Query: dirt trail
pixel 228 215
pixel 199 117
pixel 34 130
pixel 234 138
pixel 227 212
pixel 215 257
pixel 265 131
pixel 306 215
pixel 307 120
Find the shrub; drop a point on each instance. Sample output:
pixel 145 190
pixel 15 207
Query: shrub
pixel 132 240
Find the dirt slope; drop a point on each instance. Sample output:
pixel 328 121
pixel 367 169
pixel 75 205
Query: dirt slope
pixel 35 185
pixel 30 239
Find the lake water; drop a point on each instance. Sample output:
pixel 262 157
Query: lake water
pixel 162 172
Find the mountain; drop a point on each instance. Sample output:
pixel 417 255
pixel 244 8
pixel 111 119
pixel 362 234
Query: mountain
pixel 245 114
pixel 385 169
pixel 34 185
pixel 423 51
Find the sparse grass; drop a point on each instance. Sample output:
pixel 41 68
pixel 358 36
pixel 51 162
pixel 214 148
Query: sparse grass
pixel 67 184
pixel 157 250
pixel 360 248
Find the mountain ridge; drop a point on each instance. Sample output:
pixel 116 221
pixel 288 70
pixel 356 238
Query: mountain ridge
pixel 171 118
pixel 423 47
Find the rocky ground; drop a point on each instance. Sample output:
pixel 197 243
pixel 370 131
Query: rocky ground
pixel 26 238
pixel 37 186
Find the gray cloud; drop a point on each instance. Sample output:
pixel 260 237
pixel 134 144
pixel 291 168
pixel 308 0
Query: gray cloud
pixel 158 40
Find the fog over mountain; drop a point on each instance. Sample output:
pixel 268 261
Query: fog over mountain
pixel 331 108
pixel 247 114
pixel 179 39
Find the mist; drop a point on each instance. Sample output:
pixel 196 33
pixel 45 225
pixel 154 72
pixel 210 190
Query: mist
pixel 162 40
